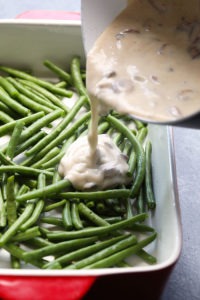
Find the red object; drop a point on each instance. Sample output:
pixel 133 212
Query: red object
pixel 49 15
pixel 42 288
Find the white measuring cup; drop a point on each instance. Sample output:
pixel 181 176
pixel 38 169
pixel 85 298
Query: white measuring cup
pixel 96 16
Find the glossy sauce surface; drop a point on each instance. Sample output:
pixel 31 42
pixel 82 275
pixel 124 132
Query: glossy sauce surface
pixel 86 171
pixel 147 62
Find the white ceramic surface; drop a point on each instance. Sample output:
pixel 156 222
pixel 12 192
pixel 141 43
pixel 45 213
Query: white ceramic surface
pixel 96 16
pixel 25 45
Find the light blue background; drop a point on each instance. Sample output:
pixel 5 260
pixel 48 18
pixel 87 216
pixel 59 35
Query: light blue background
pixel 11 8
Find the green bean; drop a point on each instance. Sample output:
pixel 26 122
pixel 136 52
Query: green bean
pixel 54 205
pixel 56 177
pixel 58 248
pixel 35 127
pixel 123 254
pixel 129 210
pixel 140 201
pixel 31 183
pixel 44 232
pixel 56 267
pixel 5 118
pixel 7 235
pixel 60 72
pixel 6 160
pixel 142 133
pixel 103 127
pixel 45 84
pixel 46 191
pixel 38 207
pixel 3 216
pixel 83 73
pixel 123 264
pixel 13 104
pixel 58 129
pixel 10 89
pixel 90 215
pixel 4 186
pixel 47 94
pixel 127 148
pixel 151 202
pixel 139 124
pixel 141 228
pixel 23 189
pixel 7 110
pixel 112 202
pixel 117 138
pixel 16 187
pixel 55 160
pixel 66 216
pixel 30 94
pixel 14 140
pixel 61 84
pixel 150 259
pixel 76 221
pixel 90 204
pixel 37 92
pixel 29 142
pixel 66 133
pixel 37 242
pixel 52 153
pixel 97 195
pixel 52 221
pixel 10 201
pixel 84 252
pixel 41 181
pixel 103 230
pixel 28 161
pixel 34 106
pixel 98 256
pixel 132 162
pixel 27 120
pixel 112 220
pixel 24 170
pixel 26 235
pixel 139 151
pixel 77 78
pixel 100 207
pixel 15 262
pixel 18 252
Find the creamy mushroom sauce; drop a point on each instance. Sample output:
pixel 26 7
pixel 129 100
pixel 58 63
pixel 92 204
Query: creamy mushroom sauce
pixel 108 167
pixel 146 63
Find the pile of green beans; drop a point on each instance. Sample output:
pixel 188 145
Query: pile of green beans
pixel 44 221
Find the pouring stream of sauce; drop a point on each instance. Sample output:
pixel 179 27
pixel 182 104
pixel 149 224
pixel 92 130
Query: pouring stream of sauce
pixel 145 64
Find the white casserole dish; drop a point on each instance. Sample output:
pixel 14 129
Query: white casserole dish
pixel 26 44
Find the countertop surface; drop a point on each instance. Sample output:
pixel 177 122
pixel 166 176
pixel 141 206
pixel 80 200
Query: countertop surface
pixel 184 281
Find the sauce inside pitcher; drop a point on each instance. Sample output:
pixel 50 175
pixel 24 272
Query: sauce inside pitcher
pixel 147 62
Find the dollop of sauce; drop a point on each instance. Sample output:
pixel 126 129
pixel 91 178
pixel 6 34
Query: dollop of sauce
pixel 108 168
pixel 147 62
